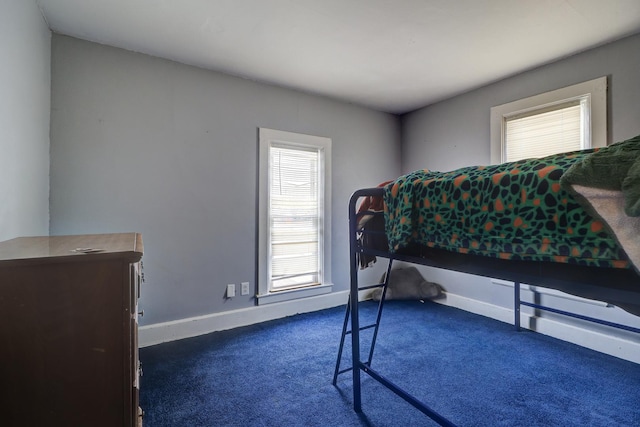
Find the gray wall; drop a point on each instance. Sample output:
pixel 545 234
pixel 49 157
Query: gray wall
pixel 24 120
pixel 144 144
pixel 456 132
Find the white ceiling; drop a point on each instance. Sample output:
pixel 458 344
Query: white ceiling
pixel 390 55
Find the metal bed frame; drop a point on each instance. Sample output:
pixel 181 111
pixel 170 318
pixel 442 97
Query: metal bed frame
pixel 626 284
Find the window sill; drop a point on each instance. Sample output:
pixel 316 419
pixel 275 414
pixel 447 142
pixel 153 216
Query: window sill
pixel 292 294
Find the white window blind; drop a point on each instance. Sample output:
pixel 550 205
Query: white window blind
pixel 544 132
pixel 565 119
pixel 295 217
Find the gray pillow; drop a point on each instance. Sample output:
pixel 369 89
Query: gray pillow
pixel 407 284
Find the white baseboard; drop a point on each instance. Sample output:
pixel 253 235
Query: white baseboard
pixel 186 328
pixel 608 344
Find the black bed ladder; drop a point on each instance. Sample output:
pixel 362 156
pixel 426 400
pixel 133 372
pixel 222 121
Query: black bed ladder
pixel 345 326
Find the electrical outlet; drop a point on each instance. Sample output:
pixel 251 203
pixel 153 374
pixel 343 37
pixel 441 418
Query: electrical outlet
pixel 231 291
pixel 245 288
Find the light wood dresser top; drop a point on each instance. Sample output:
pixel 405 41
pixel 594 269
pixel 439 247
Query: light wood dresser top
pixel 58 248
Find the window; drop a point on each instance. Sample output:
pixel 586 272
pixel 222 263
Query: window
pixel 567 119
pixel 294 221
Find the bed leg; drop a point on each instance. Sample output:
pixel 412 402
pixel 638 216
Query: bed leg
pixel 355 344
pixel 516 308
pixel 355 328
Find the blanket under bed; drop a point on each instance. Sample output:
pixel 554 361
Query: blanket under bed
pixel 517 210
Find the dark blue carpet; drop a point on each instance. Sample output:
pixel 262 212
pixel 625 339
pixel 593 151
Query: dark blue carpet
pixel 473 370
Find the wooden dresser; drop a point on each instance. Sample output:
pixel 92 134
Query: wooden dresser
pixel 68 330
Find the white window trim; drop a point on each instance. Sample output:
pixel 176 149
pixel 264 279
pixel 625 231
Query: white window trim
pixel 597 88
pixel 266 137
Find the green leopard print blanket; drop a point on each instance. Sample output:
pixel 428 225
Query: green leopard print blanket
pixel 516 211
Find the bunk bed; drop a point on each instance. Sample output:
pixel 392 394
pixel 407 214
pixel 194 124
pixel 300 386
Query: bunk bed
pixel 569 222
